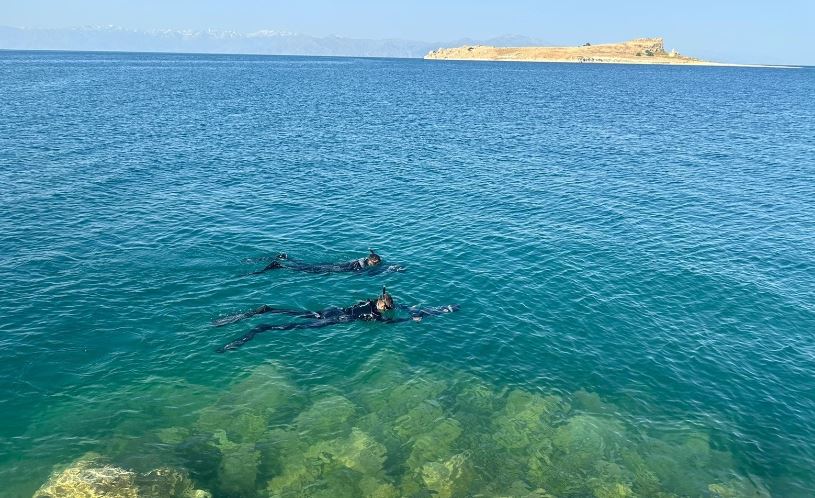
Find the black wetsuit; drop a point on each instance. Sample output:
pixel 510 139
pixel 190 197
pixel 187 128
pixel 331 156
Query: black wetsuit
pixel 364 310
pixel 349 266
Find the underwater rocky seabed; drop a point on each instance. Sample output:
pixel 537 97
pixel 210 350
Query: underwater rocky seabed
pixel 390 430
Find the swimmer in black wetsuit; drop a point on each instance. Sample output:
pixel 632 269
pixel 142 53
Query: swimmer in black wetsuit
pixel 369 310
pixel 371 263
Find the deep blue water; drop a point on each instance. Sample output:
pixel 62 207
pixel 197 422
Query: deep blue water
pixel 644 233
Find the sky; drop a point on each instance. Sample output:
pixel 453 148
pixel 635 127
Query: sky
pixel 731 31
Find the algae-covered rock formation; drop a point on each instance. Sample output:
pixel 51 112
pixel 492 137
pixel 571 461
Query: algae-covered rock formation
pixel 91 477
pixel 396 430
pixel 638 51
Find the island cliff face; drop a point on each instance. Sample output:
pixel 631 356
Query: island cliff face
pixel 639 51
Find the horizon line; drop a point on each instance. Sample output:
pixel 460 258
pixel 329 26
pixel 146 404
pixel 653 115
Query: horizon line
pixel 250 54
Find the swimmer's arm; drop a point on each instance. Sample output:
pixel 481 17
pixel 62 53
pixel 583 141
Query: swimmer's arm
pixel 380 269
pixel 417 313
pixel 412 318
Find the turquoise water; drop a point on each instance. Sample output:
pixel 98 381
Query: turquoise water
pixel 632 249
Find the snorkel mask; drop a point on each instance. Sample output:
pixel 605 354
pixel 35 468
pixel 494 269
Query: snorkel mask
pixel 373 259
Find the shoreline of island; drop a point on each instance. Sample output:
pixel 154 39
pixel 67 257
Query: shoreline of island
pixel 631 63
pixel 640 51
pixel 426 57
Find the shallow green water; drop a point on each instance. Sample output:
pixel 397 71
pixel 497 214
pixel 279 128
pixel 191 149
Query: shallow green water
pixel 390 429
pixel 631 248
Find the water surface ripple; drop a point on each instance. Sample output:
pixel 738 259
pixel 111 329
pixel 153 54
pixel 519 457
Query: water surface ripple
pixel 644 233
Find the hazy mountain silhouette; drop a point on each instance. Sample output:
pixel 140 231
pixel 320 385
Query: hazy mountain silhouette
pixel 113 38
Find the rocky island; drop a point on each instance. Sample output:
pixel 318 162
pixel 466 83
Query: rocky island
pixel 638 51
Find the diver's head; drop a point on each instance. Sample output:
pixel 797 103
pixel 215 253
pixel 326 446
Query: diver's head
pixel 373 259
pixel 384 301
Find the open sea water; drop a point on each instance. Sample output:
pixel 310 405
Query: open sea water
pixel 632 248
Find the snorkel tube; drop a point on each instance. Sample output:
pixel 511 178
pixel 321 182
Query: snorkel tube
pixel 386 299
pixel 373 258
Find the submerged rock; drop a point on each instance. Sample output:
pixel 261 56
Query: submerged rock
pixel 587 439
pixel 417 420
pixel 685 464
pixel 245 410
pixel 518 489
pixel 90 477
pixel 435 444
pixel 326 417
pixel 240 423
pixel 377 377
pixel 358 451
pixel 644 481
pixel 167 482
pixel 87 478
pixel 173 435
pixel 738 487
pixel 293 481
pixel 276 447
pixel 362 453
pixel 477 398
pixel 238 471
pixel 527 418
pixel 414 392
pixel 371 487
pixel 399 433
pixel 591 402
pixel 578 458
pixel 610 480
pixel 345 466
pixel 449 478
pixel 616 490
pixel 381 430
pixel 266 388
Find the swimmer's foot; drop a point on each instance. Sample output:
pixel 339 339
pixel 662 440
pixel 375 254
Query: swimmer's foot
pixel 220 322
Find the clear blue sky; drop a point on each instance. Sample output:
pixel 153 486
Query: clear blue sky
pixel 736 31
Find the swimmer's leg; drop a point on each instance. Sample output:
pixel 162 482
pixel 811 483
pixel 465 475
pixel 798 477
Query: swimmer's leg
pixel 316 268
pixel 284 256
pixel 265 259
pixel 240 341
pixel 264 309
pixel 292 312
pixel 245 338
pixel 296 266
pixel 274 265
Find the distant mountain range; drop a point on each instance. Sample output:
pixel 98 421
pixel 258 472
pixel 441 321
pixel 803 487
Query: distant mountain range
pixel 113 38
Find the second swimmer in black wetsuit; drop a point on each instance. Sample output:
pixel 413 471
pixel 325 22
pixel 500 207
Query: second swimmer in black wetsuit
pixel 369 310
pixel 370 263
